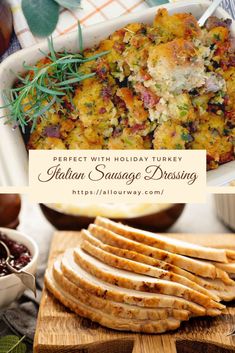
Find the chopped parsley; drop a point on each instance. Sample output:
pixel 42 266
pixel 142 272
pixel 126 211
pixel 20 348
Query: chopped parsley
pixel 216 36
pixel 186 137
pixel 184 109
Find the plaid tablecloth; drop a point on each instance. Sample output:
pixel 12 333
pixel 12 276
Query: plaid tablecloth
pixel 91 12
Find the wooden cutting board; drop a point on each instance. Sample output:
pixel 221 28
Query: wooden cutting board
pixel 59 330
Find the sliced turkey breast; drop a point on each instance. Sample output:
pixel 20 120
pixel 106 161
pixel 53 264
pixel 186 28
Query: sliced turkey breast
pixel 143 283
pixel 215 289
pixel 229 268
pixel 90 283
pixel 226 293
pixel 115 309
pixel 135 256
pixel 145 326
pixel 192 265
pixel 136 267
pixel 131 280
pixel 165 243
pixel 230 254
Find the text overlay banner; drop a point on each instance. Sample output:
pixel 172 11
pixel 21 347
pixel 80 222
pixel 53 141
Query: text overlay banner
pixel 117 176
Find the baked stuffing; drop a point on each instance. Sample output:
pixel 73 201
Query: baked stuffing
pixel 169 85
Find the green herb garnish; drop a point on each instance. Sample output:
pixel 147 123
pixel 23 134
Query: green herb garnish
pixel 186 137
pixel 35 95
pixel 12 344
pixel 216 36
pixel 183 113
pixel 184 109
pixel 178 146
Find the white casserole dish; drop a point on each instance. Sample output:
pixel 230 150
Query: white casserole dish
pixel 13 154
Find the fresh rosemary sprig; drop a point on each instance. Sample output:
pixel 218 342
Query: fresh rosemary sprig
pixel 35 95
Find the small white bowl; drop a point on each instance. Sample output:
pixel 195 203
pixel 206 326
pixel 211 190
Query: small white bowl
pixel 11 288
pixel 225 208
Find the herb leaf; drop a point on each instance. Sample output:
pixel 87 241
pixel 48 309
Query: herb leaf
pixel 80 38
pixel 69 4
pixel 42 16
pixel 12 344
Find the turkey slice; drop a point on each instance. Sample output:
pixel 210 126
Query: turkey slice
pixel 216 289
pixel 192 265
pixel 136 267
pixel 145 326
pixel 226 293
pixel 229 268
pixel 90 283
pixel 143 283
pixel 230 254
pixel 116 309
pixel 135 256
pixel 165 243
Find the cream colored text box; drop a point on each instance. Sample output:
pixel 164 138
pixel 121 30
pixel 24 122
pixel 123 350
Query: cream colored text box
pixel 117 176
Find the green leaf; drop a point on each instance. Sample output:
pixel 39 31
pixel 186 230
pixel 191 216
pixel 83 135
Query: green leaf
pixel 74 80
pixel 49 91
pixel 12 344
pixel 41 15
pixel 156 2
pixel 69 4
pixel 80 38
pixel 51 48
pixel 96 56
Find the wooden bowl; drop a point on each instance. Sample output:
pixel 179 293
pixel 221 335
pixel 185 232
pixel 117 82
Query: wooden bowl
pixel 6 26
pixel 10 205
pixel 157 221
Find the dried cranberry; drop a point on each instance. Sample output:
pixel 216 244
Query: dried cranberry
pixel 52 131
pixel 68 105
pixel 102 110
pixel 226 99
pixel 137 127
pixel 106 93
pixel 232 60
pixel 119 102
pixel 20 255
pixel 209 158
pixel 230 115
pixel 149 98
pixel 102 70
pixel 117 132
pixel 213 108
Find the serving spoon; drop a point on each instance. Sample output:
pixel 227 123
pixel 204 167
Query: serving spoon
pixel 26 278
pixel 211 9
